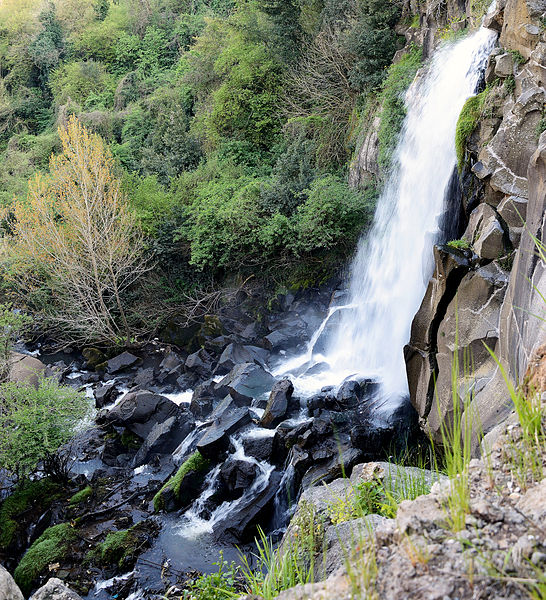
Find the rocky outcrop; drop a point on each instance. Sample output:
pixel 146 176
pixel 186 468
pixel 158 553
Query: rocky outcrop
pixel 495 547
pixel 494 294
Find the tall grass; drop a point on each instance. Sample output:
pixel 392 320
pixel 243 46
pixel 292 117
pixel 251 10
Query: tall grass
pixel 456 437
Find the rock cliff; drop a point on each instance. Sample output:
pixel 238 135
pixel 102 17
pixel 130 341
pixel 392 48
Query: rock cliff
pixel 489 289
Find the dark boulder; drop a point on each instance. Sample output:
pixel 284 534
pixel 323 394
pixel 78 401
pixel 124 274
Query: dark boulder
pixel 234 354
pixel 263 447
pixel 352 393
pixel 343 461
pixel 277 405
pixel 165 437
pixel 144 378
pixel 200 363
pixel 171 361
pixel 105 394
pixel 247 379
pixel 237 476
pixel 140 411
pixel 123 361
pixel 282 340
pixel 184 485
pixel 250 509
pixel 215 440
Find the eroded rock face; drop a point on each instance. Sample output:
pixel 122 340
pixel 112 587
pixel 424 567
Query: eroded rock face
pixel 472 321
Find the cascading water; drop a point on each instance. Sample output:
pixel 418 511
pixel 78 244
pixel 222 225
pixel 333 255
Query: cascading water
pixel 394 263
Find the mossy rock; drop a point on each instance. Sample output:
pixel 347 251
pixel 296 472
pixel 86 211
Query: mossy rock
pixel 93 356
pixel 468 121
pixel 39 494
pixel 81 496
pixel 52 546
pixel 121 547
pixel 183 487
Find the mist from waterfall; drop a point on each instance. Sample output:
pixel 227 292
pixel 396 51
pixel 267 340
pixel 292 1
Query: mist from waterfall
pixel 388 278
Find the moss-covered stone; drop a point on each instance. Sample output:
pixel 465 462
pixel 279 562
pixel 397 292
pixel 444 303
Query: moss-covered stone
pixel 468 120
pixel 50 547
pixel 81 496
pixel 39 494
pixel 180 489
pixel 121 547
pixel 93 356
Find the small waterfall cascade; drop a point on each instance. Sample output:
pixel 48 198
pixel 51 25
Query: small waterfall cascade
pixel 394 262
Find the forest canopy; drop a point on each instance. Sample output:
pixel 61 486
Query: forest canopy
pixel 230 124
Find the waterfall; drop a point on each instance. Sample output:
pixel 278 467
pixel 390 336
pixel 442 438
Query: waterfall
pixel 394 263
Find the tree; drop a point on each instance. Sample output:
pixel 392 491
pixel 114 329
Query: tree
pixel 76 237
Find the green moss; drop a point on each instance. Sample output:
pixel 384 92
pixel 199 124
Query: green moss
pixel 196 463
pixel 117 546
pixel 393 109
pixel 468 120
pixel 39 493
pixel 81 496
pixel 461 244
pixel 130 440
pixel 50 547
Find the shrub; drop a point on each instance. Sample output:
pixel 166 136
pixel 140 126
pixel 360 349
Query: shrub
pixel 49 548
pixel 220 585
pixel 373 41
pixel 85 82
pixel 461 244
pixel 468 119
pixel 333 215
pixel 36 422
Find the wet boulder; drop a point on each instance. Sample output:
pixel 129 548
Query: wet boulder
pixel 277 405
pixel 216 438
pixel 202 399
pixel 251 508
pixel 123 361
pixel 352 393
pixel 235 354
pixel 263 447
pixel 248 379
pixel 200 363
pixel 282 340
pixel 237 476
pixel 172 360
pixel 140 411
pixel 184 486
pixel 165 437
pixel 105 394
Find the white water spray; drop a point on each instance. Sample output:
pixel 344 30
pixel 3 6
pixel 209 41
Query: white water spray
pixel 394 263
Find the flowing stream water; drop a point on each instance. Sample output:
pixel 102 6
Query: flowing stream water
pixel 393 264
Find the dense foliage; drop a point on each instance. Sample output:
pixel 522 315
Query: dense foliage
pixel 227 122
